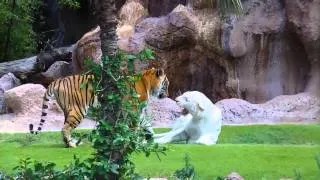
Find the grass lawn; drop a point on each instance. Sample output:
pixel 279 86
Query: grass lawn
pixel 256 152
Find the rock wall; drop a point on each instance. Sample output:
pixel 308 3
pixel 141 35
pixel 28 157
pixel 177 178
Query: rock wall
pixel 270 55
pixel 299 108
pixel 272 50
pixel 158 8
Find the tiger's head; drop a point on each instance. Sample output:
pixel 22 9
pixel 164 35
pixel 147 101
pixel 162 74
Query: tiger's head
pixel 154 82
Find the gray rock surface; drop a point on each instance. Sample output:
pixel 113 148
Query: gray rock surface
pixel 25 101
pixel 234 176
pixel 57 70
pixel 7 82
pixel 299 108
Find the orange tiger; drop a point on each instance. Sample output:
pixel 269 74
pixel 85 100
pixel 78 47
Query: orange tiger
pixel 75 100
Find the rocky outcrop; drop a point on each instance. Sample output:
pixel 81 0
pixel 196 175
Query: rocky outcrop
pixel 272 50
pixel 269 51
pixel 131 12
pixel 274 61
pixel 7 81
pixel 88 47
pixel 178 40
pixel 304 20
pixel 303 107
pixel 57 70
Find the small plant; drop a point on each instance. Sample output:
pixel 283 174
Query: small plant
pixel 318 163
pixel 25 170
pixel 318 160
pixel 297 175
pixel 187 172
pixel 26 140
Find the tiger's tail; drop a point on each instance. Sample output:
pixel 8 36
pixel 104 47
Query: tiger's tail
pixel 46 97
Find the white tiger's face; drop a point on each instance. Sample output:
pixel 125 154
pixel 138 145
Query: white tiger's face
pixel 193 102
pixel 187 103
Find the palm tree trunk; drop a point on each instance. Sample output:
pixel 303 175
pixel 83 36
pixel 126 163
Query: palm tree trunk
pixel 108 24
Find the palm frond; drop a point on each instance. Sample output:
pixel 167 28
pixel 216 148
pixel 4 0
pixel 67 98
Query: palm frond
pixel 227 7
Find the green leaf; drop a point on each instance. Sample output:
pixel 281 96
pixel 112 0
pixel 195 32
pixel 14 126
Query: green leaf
pixel 229 7
pixel 131 57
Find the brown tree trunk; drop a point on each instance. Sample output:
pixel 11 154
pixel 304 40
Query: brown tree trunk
pixel 108 24
pixel 107 20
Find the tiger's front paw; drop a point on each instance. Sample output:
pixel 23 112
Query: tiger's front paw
pixel 73 143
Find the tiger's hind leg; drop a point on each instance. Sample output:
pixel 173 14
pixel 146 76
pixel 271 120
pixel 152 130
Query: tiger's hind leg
pixel 70 123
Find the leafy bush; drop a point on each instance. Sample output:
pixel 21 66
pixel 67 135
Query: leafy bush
pixel 70 3
pixel 187 172
pixel 17 38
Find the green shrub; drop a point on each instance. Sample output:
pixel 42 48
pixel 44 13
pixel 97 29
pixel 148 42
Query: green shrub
pixel 187 172
pixel 17 38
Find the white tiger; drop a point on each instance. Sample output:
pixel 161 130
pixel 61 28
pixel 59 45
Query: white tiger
pixel 202 123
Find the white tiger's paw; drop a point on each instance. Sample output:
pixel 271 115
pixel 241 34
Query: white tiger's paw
pixel 162 140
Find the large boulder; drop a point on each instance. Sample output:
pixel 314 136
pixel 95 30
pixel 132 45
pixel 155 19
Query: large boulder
pixel 7 82
pixel 177 29
pixel 88 47
pixel 57 70
pixel 162 112
pixel 27 100
pixel 303 107
pixel 131 12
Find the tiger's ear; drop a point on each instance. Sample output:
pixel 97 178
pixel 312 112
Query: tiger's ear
pixel 159 72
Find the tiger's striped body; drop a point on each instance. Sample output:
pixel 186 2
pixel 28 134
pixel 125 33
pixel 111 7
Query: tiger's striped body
pixel 74 95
